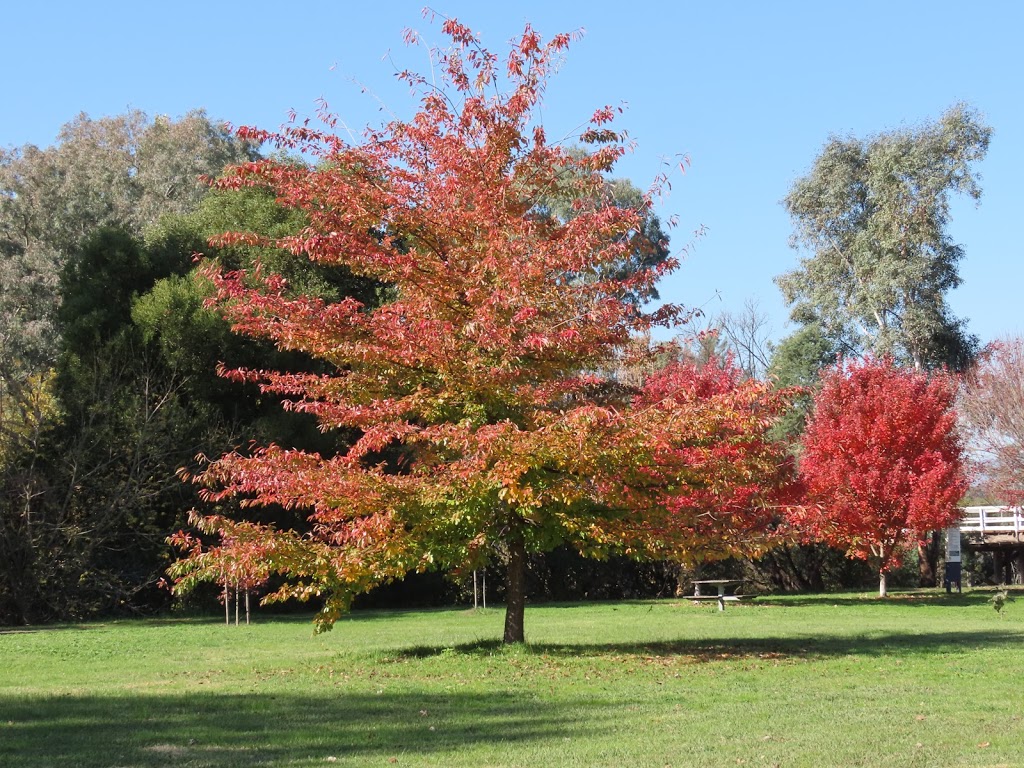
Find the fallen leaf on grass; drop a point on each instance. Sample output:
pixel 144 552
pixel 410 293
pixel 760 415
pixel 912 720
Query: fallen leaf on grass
pixel 984 744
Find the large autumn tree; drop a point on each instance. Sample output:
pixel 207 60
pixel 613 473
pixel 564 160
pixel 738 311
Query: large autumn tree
pixel 882 461
pixel 483 428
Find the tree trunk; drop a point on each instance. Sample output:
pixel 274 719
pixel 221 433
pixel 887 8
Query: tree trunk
pixel 515 590
pixel 928 560
pixel 882 552
pixel 683 579
pixel 21 583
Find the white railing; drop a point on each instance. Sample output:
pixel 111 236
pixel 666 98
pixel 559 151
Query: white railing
pixel 992 520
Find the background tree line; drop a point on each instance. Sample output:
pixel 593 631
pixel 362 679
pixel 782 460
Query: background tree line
pixel 107 365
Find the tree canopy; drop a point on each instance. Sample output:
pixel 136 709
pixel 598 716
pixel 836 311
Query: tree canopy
pixel 125 172
pixel 93 418
pixel 483 428
pixel 882 461
pixel 873 215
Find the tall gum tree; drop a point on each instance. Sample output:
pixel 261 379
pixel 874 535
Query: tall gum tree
pixel 484 429
pixel 124 171
pixel 873 215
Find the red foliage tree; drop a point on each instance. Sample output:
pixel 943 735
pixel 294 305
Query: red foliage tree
pixel 483 427
pixel 720 481
pixel 882 460
pixel 992 411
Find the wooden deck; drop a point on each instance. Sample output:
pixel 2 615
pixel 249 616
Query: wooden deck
pixel 998 531
pixel 993 521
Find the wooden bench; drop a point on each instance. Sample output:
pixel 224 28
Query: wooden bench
pixel 721 599
pixel 695 598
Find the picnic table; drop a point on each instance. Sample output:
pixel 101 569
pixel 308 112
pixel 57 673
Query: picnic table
pixel 722 585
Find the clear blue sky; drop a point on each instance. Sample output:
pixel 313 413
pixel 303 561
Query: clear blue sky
pixel 748 90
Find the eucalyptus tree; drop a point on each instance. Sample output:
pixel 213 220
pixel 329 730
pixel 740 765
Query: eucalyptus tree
pixel 125 171
pixel 873 216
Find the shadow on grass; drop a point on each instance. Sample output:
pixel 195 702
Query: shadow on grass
pixel 258 617
pixel 30 629
pixel 698 650
pixel 252 729
pixel 163 621
pixel 921 599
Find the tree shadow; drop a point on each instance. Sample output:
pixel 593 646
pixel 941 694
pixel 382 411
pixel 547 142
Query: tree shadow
pixel 910 599
pixel 236 729
pixel 373 614
pixel 260 616
pixel 873 644
pixel 32 629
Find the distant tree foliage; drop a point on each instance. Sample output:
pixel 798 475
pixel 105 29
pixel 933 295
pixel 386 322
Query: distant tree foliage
pixel 798 361
pixel 89 492
pixel 94 418
pixel 125 171
pixel 649 242
pixel 873 215
pixel 992 414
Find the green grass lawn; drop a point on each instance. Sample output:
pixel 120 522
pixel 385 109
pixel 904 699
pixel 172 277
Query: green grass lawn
pixel 841 680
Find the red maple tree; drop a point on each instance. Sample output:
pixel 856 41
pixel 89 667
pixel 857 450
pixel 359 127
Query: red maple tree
pixel 882 461
pixel 485 426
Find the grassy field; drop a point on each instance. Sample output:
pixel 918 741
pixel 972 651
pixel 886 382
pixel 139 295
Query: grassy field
pixel 841 680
